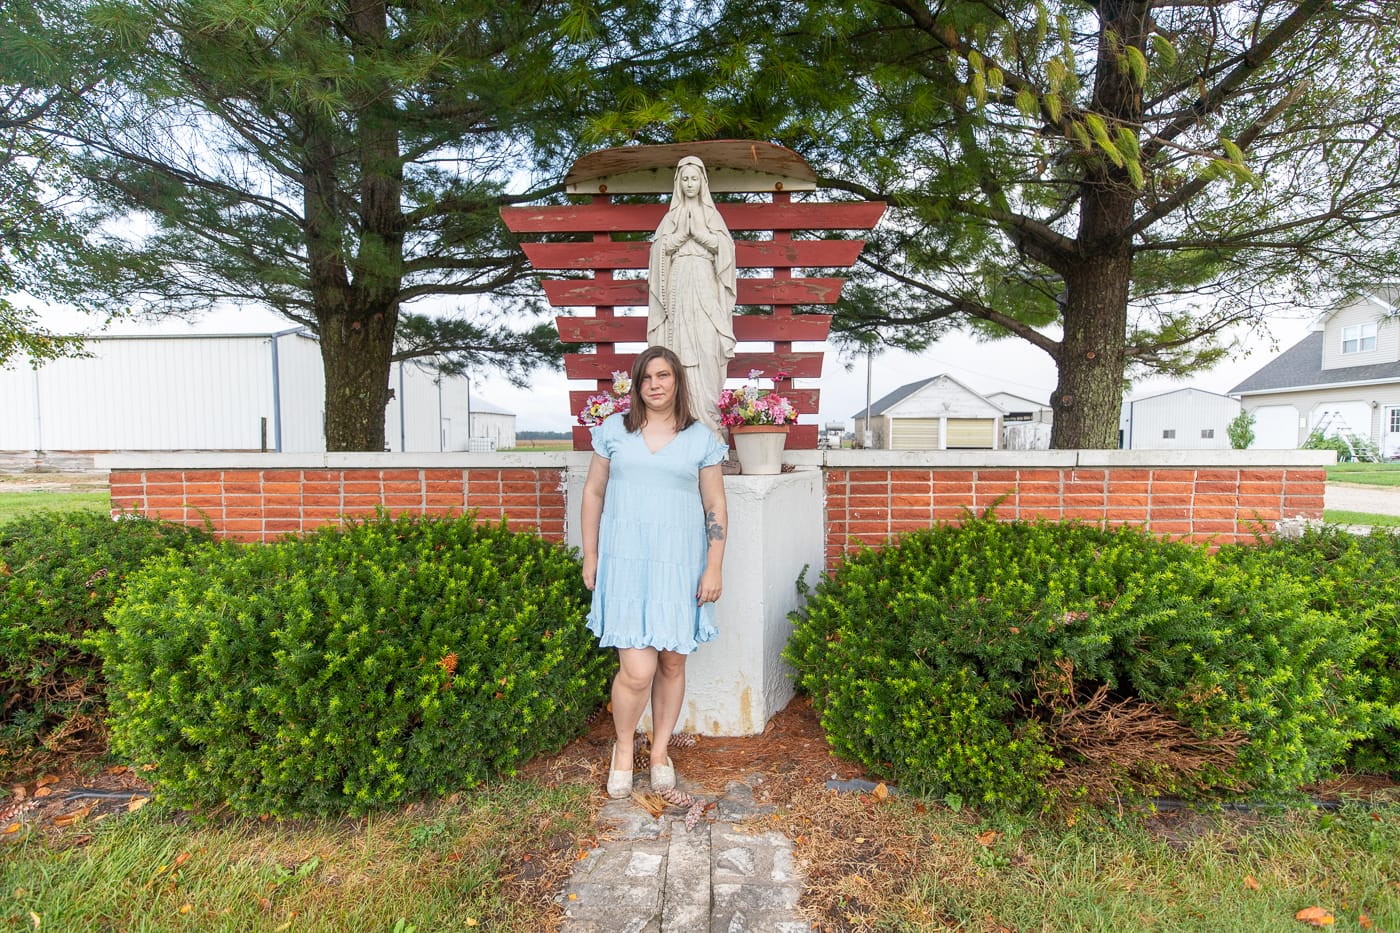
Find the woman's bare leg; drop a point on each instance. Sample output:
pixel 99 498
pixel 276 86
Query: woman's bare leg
pixel 631 688
pixel 667 695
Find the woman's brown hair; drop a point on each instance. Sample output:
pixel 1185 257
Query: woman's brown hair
pixel 637 415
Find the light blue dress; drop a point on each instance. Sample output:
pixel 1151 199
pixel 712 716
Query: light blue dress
pixel 651 542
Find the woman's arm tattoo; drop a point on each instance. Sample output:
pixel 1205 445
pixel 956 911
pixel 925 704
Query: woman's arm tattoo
pixel 714 531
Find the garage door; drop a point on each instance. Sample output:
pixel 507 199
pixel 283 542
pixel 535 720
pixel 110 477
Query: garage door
pixel 914 434
pixel 1275 427
pixel 1338 416
pixel 976 433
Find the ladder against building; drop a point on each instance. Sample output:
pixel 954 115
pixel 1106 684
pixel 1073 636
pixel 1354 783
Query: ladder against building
pixel 1333 424
pixel 605 245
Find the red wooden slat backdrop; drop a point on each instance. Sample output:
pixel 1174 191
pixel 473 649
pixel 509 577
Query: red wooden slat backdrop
pixel 781 290
pixel 643 218
pixel 747 328
pixel 748 254
pixel 632 293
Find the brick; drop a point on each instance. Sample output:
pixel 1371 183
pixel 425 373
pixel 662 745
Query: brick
pixel 242 489
pixel 1216 488
pixel 907 525
pixel 518 488
pixel 168 490
pixel 1026 501
pixel 242 524
pixel 281 489
pixel 165 476
pixel 518 476
pixel 870 515
pixel 1116 501
pixel 1262 476
pixel 1169 527
pixel 443 502
pixel 1169 513
pixel 125 477
pixel 911 488
pixel 1213 525
pixel 901 503
pixel 282 476
pixel 1083 513
pixel 359 503
pixel 868 501
pixel 516 502
pixel 399 476
pixel 1049 513
pixel 859 528
pixel 126 489
pixel 1130 476
pixel 438 486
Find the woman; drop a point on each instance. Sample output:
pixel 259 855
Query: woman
pixel 654 520
pixel 690 295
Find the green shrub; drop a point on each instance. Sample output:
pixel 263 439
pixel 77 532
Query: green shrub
pixel 351 669
pixel 1358 579
pixel 1013 663
pixel 59 572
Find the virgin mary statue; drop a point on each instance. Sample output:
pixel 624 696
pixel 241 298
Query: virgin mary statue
pixel 691 289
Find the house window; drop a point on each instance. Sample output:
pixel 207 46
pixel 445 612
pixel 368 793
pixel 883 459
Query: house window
pixel 1358 338
pixel 1207 433
pixel 1394 421
pixel 1168 434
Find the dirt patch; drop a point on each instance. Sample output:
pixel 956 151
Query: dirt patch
pixel 792 745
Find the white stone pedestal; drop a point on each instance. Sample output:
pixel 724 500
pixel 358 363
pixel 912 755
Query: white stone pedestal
pixel 736 683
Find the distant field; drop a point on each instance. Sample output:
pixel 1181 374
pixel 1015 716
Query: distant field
pixel 564 444
pixel 1367 474
pixel 16 504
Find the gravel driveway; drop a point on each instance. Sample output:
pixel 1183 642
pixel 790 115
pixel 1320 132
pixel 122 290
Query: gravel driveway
pixel 1354 497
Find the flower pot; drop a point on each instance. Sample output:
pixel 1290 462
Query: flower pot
pixel 760 447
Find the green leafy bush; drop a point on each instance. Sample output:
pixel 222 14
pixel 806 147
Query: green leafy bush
pixel 1014 664
pixel 1358 579
pixel 351 669
pixel 59 572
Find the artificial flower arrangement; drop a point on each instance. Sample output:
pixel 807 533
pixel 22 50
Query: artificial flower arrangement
pixel 599 406
pixel 749 405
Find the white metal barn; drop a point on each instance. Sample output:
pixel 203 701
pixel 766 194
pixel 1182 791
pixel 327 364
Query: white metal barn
pixel 237 392
pixel 1183 419
pixel 938 413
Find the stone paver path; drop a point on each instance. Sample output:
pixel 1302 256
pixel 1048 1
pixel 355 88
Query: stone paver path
pixel 652 876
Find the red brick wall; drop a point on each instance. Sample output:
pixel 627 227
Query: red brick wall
pixel 865 506
pixel 261 505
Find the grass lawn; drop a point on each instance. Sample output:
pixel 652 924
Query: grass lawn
pixel 1341 517
pixel 492 859
pixel 15 504
pixel 906 865
pixel 1368 474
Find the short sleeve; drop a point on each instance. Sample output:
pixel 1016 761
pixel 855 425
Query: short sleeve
pixel 715 450
pixel 605 436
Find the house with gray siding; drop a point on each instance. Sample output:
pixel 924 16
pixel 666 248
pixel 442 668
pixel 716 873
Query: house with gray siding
pixel 1344 377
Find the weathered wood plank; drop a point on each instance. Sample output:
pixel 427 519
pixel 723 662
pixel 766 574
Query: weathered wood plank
pixel 632 293
pixel 747 327
pixel 748 254
pixel 639 218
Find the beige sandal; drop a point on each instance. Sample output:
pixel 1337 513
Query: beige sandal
pixel 663 777
pixel 619 782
